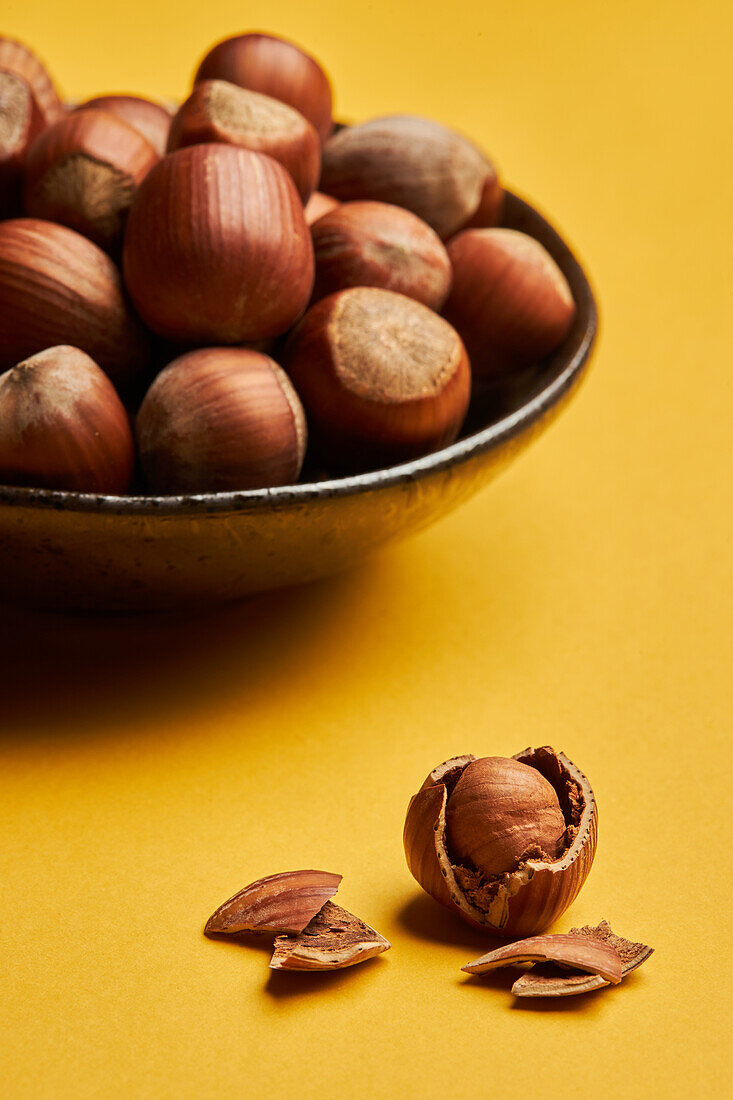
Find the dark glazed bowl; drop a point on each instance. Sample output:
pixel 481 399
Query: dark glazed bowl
pixel 86 551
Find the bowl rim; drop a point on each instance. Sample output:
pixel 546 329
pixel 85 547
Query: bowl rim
pixel 488 438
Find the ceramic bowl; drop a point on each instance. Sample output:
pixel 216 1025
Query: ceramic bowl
pixel 87 551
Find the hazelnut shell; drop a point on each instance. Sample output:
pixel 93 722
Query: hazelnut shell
pixel 150 119
pixel 285 902
pixel 20 123
pixel 15 57
pixel 333 939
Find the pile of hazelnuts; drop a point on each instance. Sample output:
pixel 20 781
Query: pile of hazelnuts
pixel 188 300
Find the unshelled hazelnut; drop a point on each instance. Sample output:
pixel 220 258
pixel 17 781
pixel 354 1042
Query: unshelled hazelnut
pixel 219 111
pixel 411 162
pixel 57 287
pixel 383 378
pixel 151 119
pixel 217 249
pixel 491 205
pixel 507 851
pixel 62 425
pixel 84 171
pixel 16 58
pixel 20 122
pixel 220 419
pixel 318 205
pixel 275 67
pixel 509 301
pixel 376 244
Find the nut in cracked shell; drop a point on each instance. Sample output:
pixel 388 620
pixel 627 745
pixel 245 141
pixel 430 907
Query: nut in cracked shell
pixel 506 850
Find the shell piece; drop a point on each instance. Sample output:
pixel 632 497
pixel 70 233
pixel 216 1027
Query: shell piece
pixel 334 939
pixel 285 902
pixel 549 981
pixel 577 952
pixel 426 808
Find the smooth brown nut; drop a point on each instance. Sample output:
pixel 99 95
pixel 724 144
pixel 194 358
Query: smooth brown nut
pixel 275 67
pixel 84 171
pixel 285 902
pixel 221 419
pixel 62 425
pixel 411 162
pixel 491 206
pixel 577 952
pixel 216 249
pixel 551 981
pixel 382 378
pixel 20 123
pixel 510 301
pixel 376 244
pixel 318 205
pixel 529 896
pixel 219 111
pixel 502 812
pixel 56 287
pixel 332 940
pixel 150 119
pixel 16 58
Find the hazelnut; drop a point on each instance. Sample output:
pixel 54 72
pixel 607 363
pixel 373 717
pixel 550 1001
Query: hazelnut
pixel 382 378
pixel 412 162
pixel 217 249
pixel 17 58
pixel 509 301
pixel 83 172
pixel 318 205
pixel 62 425
pixel 491 205
pixel 150 119
pixel 56 287
pixel 219 111
pixel 20 122
pixel 220 419
pixel 507 851
pixel 375 244
pixel 275 67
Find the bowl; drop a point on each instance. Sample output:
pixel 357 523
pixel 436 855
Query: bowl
pixel 96 552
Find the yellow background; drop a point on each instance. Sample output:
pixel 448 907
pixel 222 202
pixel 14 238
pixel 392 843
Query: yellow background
pixel 152 766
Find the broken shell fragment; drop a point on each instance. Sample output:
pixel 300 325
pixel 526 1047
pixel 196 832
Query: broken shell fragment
pixel 525 897
pixel 334 939
pixel 576 952
pixel 550 981
pixel 285 902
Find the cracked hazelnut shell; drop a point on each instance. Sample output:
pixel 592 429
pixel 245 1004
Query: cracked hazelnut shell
pixel 62 425
pixel 285 902
pixel 219 111
pixel 220 419
pixel 150 119
pixel 216 249
pixel 510 302
pixel 57 287
pixel 15 57
pixel 412 162
pixel 548 980
pixel 382 378
pixel 333 939
pixel 83 172
pixel 377 244
pixel 526 898
pixel 275 67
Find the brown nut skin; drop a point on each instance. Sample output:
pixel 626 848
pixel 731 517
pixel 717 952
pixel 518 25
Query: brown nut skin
pixel 216 248
pixel 376 244
pixel 382 378
pixel 219 111
pixel 220 419
pixel 84 171
pixel 16 58
pixel 527 899
pixel 62 425
pixel 318 205
pixel 56 287
pixel 412 162
pixel 150 119
pixel 20 123
pixel 274 67
pixel 510 302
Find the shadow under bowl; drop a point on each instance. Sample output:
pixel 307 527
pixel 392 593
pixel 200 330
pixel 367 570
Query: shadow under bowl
pixel 97 552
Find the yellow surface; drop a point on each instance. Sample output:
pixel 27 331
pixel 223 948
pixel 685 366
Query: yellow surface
pixel 152 767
